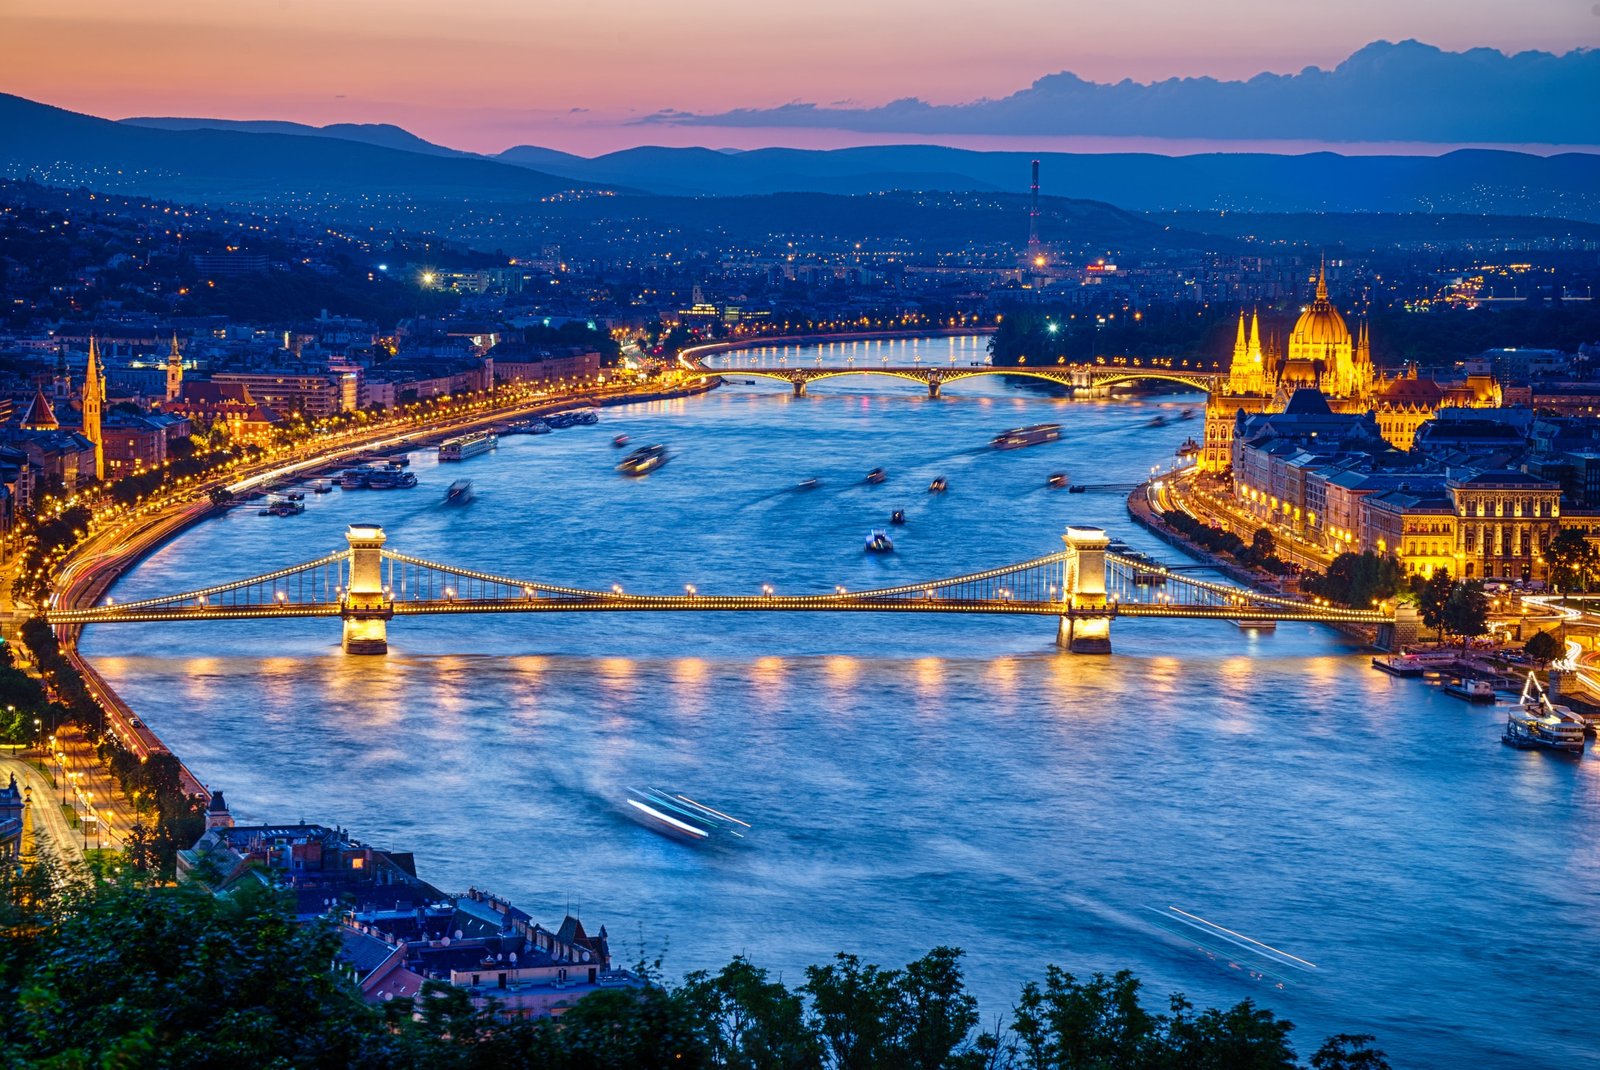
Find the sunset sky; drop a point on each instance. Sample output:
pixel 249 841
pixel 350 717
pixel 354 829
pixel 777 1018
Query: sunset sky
pixel 495 73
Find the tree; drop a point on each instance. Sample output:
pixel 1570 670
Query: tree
pixel 850 1006
pixel 1349 1051
pixel 936 1013
pixel 1432 595
pixel 1542 648
pixel 750 1022
pixel 1466 611
pixel 1572 560
pixel 1263 544
pixel 1065 1024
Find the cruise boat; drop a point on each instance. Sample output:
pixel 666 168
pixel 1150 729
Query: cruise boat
pixel 465 446
pixel 681 817
pixel 356 478
pixel 878 542
pixel 938 486
pixel 643 460
pixel 1536 723
pixel 1032 435
pixel 877 475
pixel 391 479
pixel 1470 690
pixel 460 492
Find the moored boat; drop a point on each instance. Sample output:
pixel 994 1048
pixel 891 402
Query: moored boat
pixel 1412 664
pixel 462 447
pixel 1470 690
pixel 321 486
pixel 1536 723
pixel 1032 435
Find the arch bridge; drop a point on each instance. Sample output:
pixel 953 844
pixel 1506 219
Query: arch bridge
pixel 1193 372
pixel 1085 586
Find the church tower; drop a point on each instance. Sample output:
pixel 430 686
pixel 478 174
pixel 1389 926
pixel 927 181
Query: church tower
pixel 94 397
pixel 174 371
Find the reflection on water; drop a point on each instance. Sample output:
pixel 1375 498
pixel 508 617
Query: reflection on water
pixel 912 779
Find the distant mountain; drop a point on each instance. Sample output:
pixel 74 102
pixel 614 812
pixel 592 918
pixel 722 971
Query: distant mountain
pixel 1406 91
pixel 384 135
pixel 63 147
pixel 1470 180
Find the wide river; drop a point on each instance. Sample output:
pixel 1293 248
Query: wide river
pixel 912 780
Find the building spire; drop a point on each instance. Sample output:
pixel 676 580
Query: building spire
pixel 1240 351
pixel 174 371
pixel 94 396
pixel 1322 279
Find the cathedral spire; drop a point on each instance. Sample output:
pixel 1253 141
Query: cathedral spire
pixel 1239 350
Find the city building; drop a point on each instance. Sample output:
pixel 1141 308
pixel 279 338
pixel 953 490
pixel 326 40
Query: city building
pixel 317 396
pixel 1322 353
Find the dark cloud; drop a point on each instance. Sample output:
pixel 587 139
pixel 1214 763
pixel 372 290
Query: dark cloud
pixel 1384 92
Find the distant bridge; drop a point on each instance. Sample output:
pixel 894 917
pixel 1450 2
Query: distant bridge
pixel 1192 372
pixel 1084 586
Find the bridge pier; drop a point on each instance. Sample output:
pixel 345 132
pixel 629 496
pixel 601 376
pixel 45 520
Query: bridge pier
pixel 1085 627
pixel 799 387
pixel 933 388
pixel 1403 632
pixel 365 606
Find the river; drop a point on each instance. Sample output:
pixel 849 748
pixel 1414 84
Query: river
pixel 912 780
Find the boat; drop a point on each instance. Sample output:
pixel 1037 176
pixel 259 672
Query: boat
pixel 938 486
pixel 681 817
pixel 391 479
pixel 572 418
pixel 1536 723
pixel 1056 479
pixel 399 460
pixel 296 495
pixel 356 478
pixel 1032 435
pixel 1157 421
pixel 1076 488
pixel 1246 624
pixel 897 517
pixel 528 427
pixel 620 441
pixel 1409 665
pixel 321 486
pixel 278 505
pixel 1190 448
pixel 464 446
pixel 1470 690
pixel 877 475
pixel 1186 414
pixel 460 492
pixel 808 484
pixel 643 460
pixel 878 542
pixel 1147 571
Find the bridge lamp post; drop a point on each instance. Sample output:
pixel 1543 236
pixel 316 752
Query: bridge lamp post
pixel 766 589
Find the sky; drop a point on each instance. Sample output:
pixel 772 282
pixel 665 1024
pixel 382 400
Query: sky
pixel 576 76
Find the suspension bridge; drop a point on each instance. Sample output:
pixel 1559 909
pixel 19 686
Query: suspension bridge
pixel 1193 372
pixel 1085 586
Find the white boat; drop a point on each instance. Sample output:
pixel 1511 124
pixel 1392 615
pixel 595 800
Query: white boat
pixel 1413 664
pixel 465 446
pixel 681 817
pixel 1032 435
pixel 1536 723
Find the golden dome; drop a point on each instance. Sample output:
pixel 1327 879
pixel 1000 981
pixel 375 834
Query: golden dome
pixel 1320 325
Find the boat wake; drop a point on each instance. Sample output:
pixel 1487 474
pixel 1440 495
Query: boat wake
pixel 1235 950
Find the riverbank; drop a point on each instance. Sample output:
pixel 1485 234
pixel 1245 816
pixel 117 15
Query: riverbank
pixel 89 573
